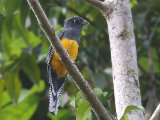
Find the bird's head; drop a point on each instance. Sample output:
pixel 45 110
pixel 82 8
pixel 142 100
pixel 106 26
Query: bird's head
pixel 75 21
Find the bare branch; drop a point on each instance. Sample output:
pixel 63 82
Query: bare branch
pixel 97 3
pixel 71 67
pixel 156 114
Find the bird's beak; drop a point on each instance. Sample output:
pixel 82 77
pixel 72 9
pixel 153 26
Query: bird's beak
pixel 85 23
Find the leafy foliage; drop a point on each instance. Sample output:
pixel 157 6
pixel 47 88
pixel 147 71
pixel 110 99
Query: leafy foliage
pixel 26 105
pixel 23 50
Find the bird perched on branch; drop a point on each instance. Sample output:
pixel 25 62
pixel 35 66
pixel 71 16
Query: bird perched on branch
pixel 70 37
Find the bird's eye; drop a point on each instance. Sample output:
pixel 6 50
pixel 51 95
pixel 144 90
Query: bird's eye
pixel 76 21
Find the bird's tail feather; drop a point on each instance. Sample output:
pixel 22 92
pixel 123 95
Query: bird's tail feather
pixel 55 91
pixel 54 99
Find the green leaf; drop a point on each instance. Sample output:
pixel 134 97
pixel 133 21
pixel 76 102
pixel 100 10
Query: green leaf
pixel 83 111
pixel 72 101
pixel 16 44
pixel 63 114
pixel 11 43
pixel 20 29
pixel 98 92
pixel 129 108
pixel 6 98
pixel 5 42
pixel 21 111
pixel 1 92
pixel 79 95
pixel 26 105
pixel 22 38
pixel 133 3
pixel 79 98
pixel 13 85
pixel 33 39
pixel 105 94
pixel 23 95
pixel 125 117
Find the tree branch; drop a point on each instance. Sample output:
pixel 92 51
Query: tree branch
pixel 74 11
pixel 102 5
pixel 97 3
pixel 156 114
pixel 43 22
pixel 124 58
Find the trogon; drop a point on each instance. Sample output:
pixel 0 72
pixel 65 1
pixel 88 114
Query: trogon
pixel 70 37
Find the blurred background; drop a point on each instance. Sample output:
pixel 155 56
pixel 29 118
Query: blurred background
pixel 24 47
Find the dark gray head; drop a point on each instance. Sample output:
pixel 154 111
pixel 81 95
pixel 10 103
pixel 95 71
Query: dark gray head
pixel 73 28
pixel 75 22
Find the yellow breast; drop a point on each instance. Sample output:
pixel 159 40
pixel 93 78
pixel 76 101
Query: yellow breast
pixel 72 49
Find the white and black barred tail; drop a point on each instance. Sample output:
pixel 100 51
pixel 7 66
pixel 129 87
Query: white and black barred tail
pixel 55 91
pixel 55 85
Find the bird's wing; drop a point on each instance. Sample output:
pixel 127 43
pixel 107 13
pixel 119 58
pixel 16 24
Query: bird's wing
pixel 56 85
pixel 61 34
pixel 50 55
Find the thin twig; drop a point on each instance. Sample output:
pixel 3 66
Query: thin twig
pixel 156 114
pixel 43 22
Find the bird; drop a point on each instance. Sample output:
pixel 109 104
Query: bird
pixel 70 36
